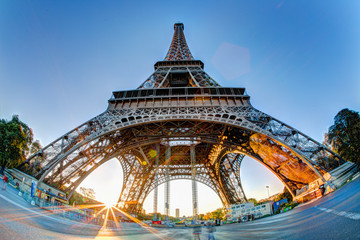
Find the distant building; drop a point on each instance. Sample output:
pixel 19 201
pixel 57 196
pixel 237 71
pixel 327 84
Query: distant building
pixel 236 211
pixel 177 213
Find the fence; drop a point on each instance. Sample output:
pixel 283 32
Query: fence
pixel 60 209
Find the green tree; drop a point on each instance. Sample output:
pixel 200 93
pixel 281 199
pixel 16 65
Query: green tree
pixel 285 194
pixel 36 161
pixel 344 135
pixel 87 192
pixel 253 200
pixel 218 214
pixel 208 216
pixel 35 147
pixel 80 199
pixel 16 138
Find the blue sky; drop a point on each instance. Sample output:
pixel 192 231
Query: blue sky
pixel 60 60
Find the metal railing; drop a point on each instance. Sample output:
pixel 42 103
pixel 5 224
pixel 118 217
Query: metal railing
pixel 60 209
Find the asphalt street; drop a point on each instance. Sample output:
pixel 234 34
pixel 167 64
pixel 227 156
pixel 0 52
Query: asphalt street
pixel 335 216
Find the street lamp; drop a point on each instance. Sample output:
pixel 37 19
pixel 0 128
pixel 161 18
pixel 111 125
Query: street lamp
pixel 268 191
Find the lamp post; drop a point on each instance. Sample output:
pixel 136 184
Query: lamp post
pixel 268 191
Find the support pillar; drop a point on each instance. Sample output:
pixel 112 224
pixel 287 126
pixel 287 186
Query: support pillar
pixel 167 182
pixel 61 162
pixel 155 217
pixel 194 183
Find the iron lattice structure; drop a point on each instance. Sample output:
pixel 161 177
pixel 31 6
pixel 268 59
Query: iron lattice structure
pixel 181 124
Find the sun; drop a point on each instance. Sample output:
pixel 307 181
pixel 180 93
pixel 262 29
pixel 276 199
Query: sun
pixel 109 204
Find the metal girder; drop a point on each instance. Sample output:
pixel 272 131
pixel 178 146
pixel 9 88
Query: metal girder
pixel 91 150
pixel 193 182
pixel 179 49
pixel 180 56
pixel 160 78
pixel 155 154
pixel 230 177
pixel 80 159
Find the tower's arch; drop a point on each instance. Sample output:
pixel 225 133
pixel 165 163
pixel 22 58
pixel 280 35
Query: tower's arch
pixel 134 152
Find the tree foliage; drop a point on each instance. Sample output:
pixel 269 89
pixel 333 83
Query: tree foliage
pixel 35 147
pixel 285 194
pixel 253 200
pixel 218 214
pixel 87 192
pixel 16 138
pixel 344 135
pixel 80 199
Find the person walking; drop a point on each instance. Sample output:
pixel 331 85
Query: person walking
pixel 211 230
pixel 196 232
pixel 5 179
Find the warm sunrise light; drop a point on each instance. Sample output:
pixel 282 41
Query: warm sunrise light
pixel 109 203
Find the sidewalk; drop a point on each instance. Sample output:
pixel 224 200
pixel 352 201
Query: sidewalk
pixel 11 196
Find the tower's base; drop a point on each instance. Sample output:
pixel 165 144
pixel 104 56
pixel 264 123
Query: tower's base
pixel 333 180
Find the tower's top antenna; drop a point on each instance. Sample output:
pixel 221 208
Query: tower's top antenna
pixel 179 24
pixel 179 50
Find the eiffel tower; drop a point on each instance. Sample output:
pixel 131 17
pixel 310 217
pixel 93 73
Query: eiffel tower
pixel 181 124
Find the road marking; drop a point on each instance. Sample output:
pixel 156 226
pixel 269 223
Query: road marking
pixel 351 215
pixel 266 221
pixel 66 221
pixel 32 211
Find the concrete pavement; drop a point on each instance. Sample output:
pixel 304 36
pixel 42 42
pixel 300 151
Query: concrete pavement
pixel 335 216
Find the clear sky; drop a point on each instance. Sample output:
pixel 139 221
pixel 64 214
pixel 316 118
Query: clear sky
pixel 60 61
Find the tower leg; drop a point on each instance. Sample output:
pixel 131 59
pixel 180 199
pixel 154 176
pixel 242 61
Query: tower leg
pixel 155 217
pixel 167 183
pixel 194 183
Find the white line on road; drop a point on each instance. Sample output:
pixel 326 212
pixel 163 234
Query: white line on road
pixel 272 220
pixel 67 221
pixel 32 211
pixel 351 215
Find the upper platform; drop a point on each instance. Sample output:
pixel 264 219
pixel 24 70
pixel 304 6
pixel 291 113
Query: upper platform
pixel 179 63
pixel 179 97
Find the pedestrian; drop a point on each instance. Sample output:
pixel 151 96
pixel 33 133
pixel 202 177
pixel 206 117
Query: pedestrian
pixel 211 230
pixel 5 179
pixel 196 232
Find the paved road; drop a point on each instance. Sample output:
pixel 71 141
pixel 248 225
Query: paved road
pixel 336 216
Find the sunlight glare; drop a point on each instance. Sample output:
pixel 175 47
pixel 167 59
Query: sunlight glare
pixel 110 203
